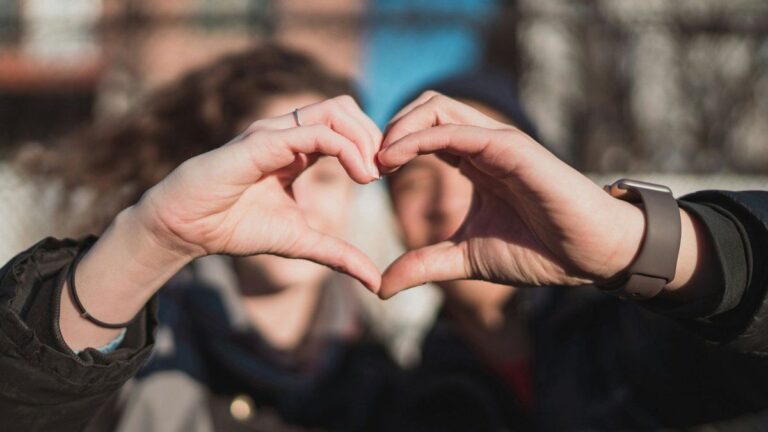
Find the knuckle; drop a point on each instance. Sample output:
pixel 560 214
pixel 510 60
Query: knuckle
pixel 440 99
pixel 188 167
pixel 255 126
pixel 335 103
pixel 263 141
pixel 512 132
pixel 254 137
pixel 346 99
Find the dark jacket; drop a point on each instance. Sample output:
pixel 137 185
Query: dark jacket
pixel 47 387
pixel 601 363
pixel 206 356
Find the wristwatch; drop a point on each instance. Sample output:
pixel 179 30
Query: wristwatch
pixel 655 263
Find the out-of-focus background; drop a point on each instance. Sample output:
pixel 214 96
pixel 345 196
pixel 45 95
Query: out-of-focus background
pixel 677 88
pixel 616 85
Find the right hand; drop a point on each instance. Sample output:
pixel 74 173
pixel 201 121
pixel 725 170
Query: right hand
pixel 533 220
pixel 237 199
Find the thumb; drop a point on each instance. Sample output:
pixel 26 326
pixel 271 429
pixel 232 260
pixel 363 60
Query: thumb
pixel 439 262
pixel 339 255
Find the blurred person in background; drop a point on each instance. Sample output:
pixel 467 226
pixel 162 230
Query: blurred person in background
pixel 475 369
pixel 251 343
pixel 559 358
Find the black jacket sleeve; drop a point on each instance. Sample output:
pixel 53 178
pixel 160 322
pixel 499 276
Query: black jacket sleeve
pixel 45 386
pixel 737 315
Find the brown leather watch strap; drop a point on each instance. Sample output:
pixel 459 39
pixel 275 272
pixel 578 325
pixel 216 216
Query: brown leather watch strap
pixel 655 264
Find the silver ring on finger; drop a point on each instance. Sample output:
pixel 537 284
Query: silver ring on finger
pixel 296 117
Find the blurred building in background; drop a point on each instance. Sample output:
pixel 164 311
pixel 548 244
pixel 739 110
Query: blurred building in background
pixel 409 44
pixel 50 66
pixel 620 85
pixel 65 63
pixel 665 85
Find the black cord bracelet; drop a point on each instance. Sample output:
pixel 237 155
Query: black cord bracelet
pixel 76 300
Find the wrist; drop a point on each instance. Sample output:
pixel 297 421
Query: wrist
pixel 149 247
pixel 115 279
pixel 628 239
pixel 695 263
pixel 128 261
pixel 149 218
pixel 654 265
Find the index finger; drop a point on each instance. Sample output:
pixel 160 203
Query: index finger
pixel 342 114
pixel 436 109
pixel 267 151
pixel 490 147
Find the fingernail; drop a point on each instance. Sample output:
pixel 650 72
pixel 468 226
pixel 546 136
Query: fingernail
pixel 374 171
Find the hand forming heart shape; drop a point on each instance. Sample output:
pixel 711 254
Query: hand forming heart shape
pixel 531 221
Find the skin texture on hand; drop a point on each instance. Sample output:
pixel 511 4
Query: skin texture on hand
pixel 234 200
pixel 238 200
pixel 534 220
pixel 248 212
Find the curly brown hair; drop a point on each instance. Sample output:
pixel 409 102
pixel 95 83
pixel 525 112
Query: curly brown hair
pixel 119 160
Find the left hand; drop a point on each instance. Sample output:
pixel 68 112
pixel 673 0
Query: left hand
pixel 237 199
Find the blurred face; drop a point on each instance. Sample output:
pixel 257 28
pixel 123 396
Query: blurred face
pixel 431 200
pixel 324 192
